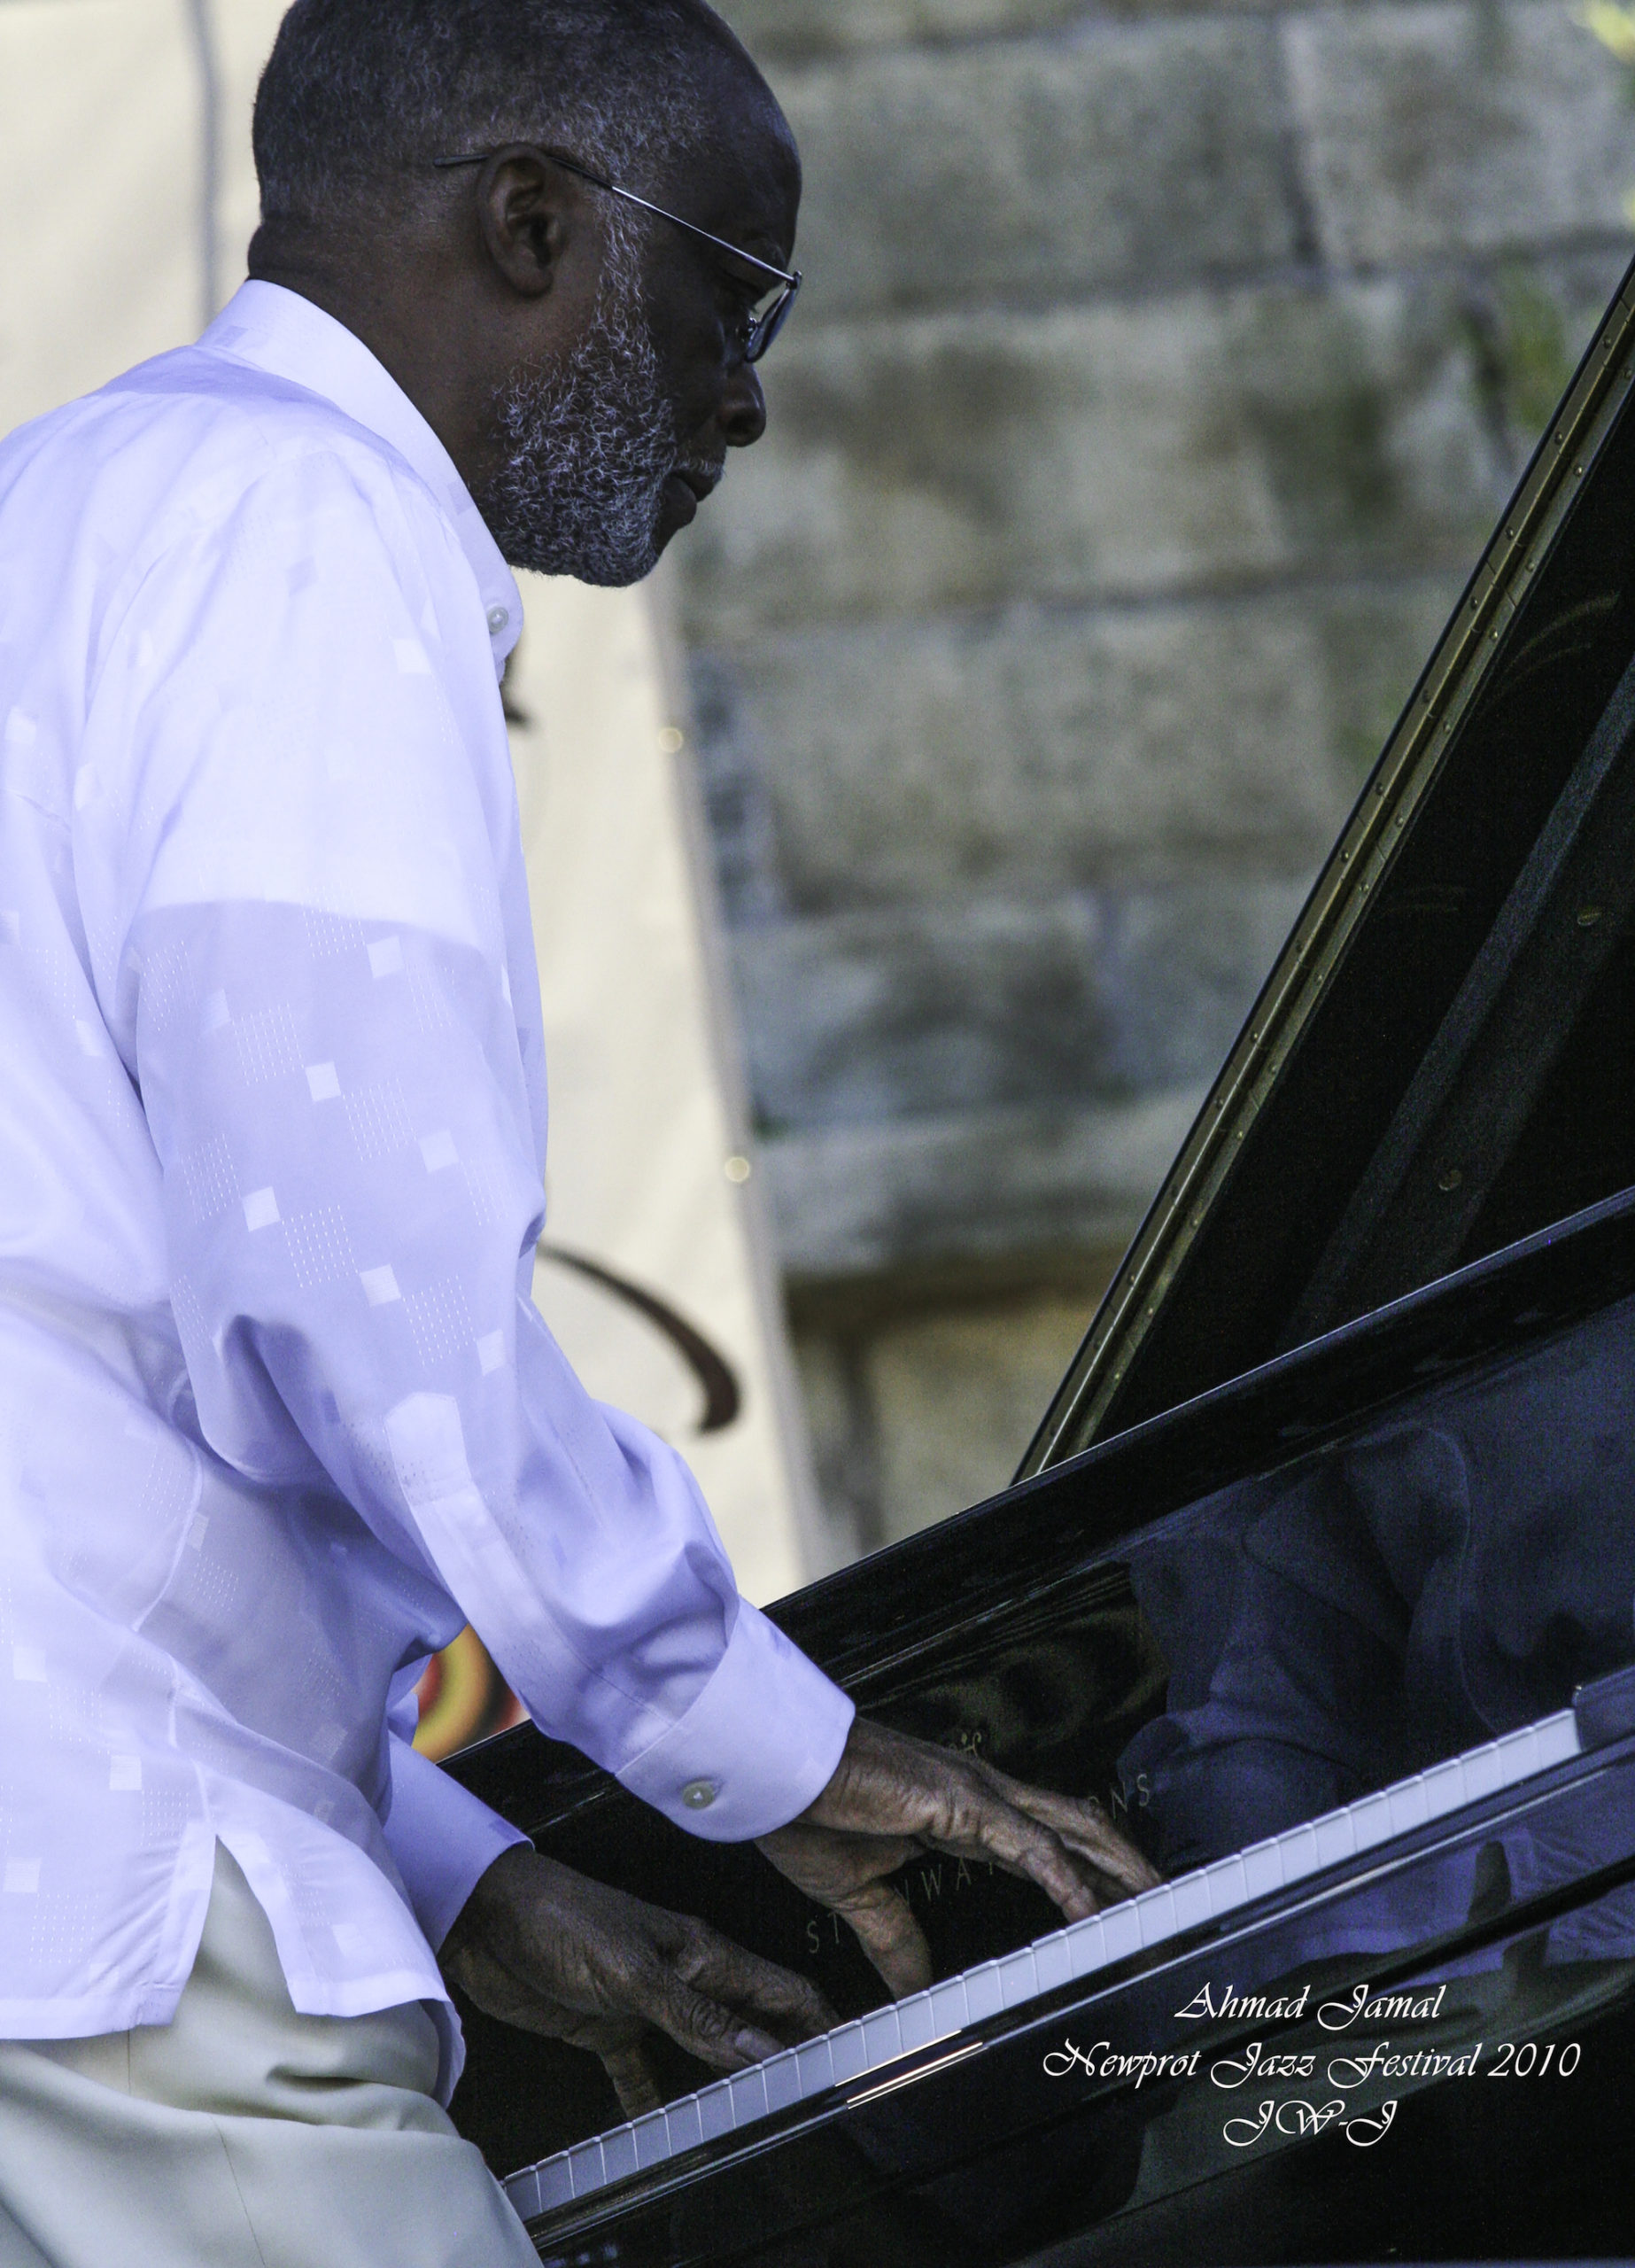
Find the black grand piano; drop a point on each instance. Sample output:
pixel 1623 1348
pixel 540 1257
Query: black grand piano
pixel 1321 1572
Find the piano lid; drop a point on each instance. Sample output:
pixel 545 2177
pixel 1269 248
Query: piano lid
pixel 1442 1059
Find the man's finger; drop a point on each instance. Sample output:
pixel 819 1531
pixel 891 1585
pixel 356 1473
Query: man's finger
pixel 1126 1870
pixel 1045 1859
pixel 718 2035
pixel 1083 1826
pixel 983 1824
pixel 633 2080
pixel 889 1935
pixel 770 1996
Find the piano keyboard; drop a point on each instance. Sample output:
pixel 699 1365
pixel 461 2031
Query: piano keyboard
pixel 850 2056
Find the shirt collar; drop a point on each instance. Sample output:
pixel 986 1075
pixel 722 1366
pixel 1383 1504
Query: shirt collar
pixel 279 331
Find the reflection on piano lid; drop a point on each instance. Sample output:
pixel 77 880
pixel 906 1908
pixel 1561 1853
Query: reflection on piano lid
pixel 851 2056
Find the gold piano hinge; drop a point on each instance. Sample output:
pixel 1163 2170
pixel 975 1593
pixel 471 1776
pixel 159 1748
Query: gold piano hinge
pixel 1363 856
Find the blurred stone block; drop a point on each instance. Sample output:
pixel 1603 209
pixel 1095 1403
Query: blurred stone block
pixel 1050 747
pixel 1543 314
pixel 1005 168
pixel 967 1007
pixel 956 1399
pixel 806 28
pixel 1203 439
pixel 1457 127
pixel 1004 1185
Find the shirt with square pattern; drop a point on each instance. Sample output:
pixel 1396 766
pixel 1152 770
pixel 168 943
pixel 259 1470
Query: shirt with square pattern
pixel 277 1415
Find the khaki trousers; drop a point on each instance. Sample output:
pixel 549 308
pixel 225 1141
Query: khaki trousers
pixel 242 2134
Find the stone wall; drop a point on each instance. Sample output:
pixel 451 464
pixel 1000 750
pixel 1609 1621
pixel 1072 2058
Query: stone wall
pixel 1158 376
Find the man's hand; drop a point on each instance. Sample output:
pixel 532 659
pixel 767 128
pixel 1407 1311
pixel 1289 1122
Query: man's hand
pixel 892 1796
pixel 541 1946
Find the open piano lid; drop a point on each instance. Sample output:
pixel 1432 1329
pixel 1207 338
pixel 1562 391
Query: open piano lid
pixel 1440 1061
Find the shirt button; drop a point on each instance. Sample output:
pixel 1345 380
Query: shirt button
pixel 698 1795
pixel 498 617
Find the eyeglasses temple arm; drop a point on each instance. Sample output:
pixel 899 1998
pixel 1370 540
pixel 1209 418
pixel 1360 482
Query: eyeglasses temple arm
pixel 601 181
pixel 783 276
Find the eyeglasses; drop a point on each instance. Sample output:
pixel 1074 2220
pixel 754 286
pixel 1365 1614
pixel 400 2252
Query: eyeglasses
pixel 771 311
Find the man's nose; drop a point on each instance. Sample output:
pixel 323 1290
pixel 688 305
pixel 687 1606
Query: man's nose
pixel 742 415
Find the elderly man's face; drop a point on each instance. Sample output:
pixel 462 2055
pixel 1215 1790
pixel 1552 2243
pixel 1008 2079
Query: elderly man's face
pixel 602 452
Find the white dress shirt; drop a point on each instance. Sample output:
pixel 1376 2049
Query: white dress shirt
pixel 277 1415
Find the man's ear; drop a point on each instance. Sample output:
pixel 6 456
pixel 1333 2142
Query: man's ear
pixel 529 213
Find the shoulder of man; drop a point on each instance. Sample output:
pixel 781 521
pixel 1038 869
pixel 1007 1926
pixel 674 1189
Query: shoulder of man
pixel 176 450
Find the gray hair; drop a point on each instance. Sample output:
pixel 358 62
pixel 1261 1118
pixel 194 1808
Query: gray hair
pixel 358 94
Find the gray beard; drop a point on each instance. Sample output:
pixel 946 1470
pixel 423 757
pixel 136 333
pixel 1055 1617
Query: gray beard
pixel 589 444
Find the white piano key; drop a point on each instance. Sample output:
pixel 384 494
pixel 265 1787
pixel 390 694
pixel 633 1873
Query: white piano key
pixel 1408 1805
pixel 1336 1840
pixel 1263 1869
pixel 683 2124
pixel 984 1995
pixel 1018 1976
pixel 1484 1774
pixel 522 2192
pixel 1192 1901
pixel 1087 1945
pixel 714 2111
pixel 586 2170
pixel 1053 1960
pixel 1443 1785
pixel 1121 1932
pixel 1371 1821
pixel 1296 1852
pixel 1227 1885
pixel 782 2076
pixel 1559 1736
pixel 1157 1910
pixel 653 2140
pixel 1536 1742
pixel 815 2061
pixel 618 2153
pixel 1551 1741
pixel 915 2024
pixel 951 2007
pixel 748 2095
pixel 855 2049
pixel 882 2037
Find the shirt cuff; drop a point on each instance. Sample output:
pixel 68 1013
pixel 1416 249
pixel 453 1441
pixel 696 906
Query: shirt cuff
pixel 758 1744
pixel 444 1839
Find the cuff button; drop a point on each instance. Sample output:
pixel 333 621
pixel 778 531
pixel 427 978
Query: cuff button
pixel 698 1795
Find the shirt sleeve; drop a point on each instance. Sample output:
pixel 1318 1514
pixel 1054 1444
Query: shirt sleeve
pixel 443 1838
pixel 319 971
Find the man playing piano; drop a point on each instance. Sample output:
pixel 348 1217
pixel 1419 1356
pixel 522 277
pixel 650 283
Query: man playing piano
pixel 276 1413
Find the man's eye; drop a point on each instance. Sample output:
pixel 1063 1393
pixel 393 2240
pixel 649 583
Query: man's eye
pixel 739 306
